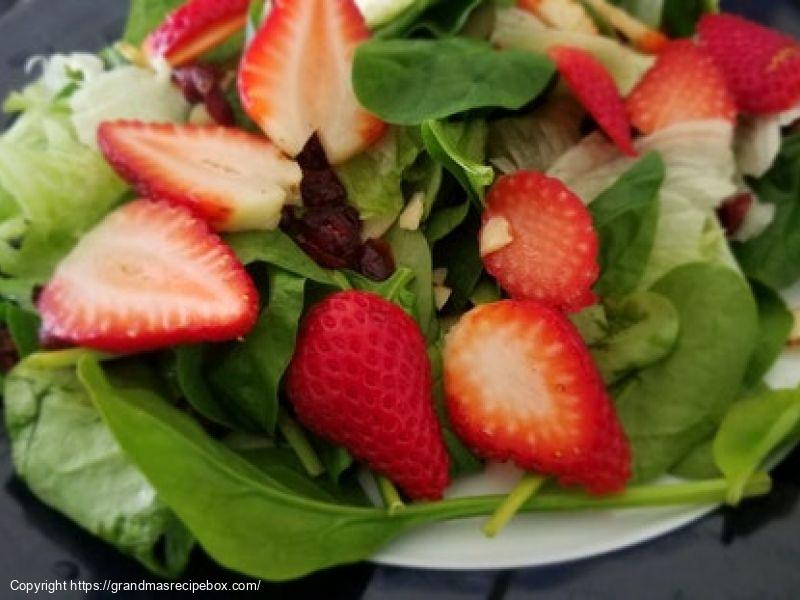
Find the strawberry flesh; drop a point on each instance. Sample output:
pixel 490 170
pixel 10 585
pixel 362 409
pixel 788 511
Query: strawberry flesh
pixel 596 91
pixel 520 385
pixel 553 253
pixel 762 65
pixel 149 276
pixel 295 78
pixel 234 180
pixel 195 28
pixel 683 85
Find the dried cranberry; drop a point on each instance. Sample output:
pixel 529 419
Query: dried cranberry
pixel 201 83
pixel 733 211
pixel 376 260
pixel 322 188
pixel 219 108
pixel 330 235
pixel 8 351
pixel 312 157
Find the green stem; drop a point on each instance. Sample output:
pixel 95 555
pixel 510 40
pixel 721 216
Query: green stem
pixel 692 493
pixel 298 441
pixel 524 491
pixel 391 498
pixel 61 359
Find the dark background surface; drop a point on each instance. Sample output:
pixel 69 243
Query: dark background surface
pixel 753 552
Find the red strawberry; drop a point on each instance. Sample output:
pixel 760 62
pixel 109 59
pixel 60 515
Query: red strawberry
pixel 196 27
pixel 552 255
pixel 361 378
pixel 520 385
pixel 295 78
pixel 231 178
pixel 683 85
pixel 762 65
pixel 595 89
pixel 148 276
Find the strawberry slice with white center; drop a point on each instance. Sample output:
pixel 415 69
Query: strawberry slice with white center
pixel 195 28
pixel 552 252
pixel 234 180
pixel 520 385
pixel 149 276
pixel 295 78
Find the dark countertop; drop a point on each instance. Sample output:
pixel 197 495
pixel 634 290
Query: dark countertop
pixel 753 552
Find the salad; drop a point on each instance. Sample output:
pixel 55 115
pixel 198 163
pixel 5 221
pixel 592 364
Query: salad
pixel 275 274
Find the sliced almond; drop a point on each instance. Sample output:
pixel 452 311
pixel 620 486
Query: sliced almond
pixel 495 235
pixel 441 294
pixel 411 217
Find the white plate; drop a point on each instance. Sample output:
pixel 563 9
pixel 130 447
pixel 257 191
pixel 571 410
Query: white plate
pixel 547 538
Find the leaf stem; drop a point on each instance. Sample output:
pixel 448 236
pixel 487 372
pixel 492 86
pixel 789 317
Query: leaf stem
pixel 61 359
pixel 299 442
pixel 528 485
pixel 391 498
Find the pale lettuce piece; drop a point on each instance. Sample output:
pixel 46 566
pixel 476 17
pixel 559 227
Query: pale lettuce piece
pixel 700 174
pixel 536 140
pixel 515 28
pixel 380 12
pixel 126 93
pixel 60 70
pixel 759 139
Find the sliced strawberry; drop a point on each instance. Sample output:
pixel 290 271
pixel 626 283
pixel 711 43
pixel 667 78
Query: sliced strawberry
pixel 148 276
pixel 520 385
pixel 552 255
pixel 295 78
pixel 595 89
pixel 683 85
pixel 195 28
pixel 762 65
pixel 233 179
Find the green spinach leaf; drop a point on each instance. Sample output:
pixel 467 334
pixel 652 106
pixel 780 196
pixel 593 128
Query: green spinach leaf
pixel 674 405
pixel 680 17
pixel 459 254
pixel 440 17
pixel 71 462
pixel 626 217
pixel 775 323
pixel 145 16
pixel 23 326
pixel 408 82
pixel 774 257
pixel 411 251
pixel 444 221
pixel 190 374
pixel 461 148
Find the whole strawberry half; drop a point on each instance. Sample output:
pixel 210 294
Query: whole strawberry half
pixel 520 385
pixel 361 378
pixel 762 65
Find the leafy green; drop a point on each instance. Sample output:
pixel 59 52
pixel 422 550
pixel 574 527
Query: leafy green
pixel 23 327
pixel 191 377
pixel 751 432
pixel 411 251
pixel 54 189
pixel 642 329
pixel 248 378
pixel 775 322
pixel 698 464
pixel 459 254
pixel 408 82
pixel 374 178
pixel 439 17
pixel 145 16
pixel 680 17
pixel 626 216
pixel 253 523
pixel 70 461
pixel 277 249
pixel 445 220
pixel 670 407
pixel 397 289
pixel 461 147
pixel 774 256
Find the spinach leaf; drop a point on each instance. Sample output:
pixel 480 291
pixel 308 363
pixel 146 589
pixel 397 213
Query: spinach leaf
pixel 190 374
pixel 444 221
pixel 459 254
pixel 411 251
pixel 775 323
pixel 751 432
pixel 698 464
pixel 408 82
pixel 461 148
pixel 669 408
pixel 680 17
pixel 440 17
pixel 626 217
pixel 337 460
pixel 23 326
pixel 71 462
pixel 278 249
pixel 374 178
pixel 248 378
pixel 145 16
pixel 642 329
pixel 774 257
pixel 396 289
